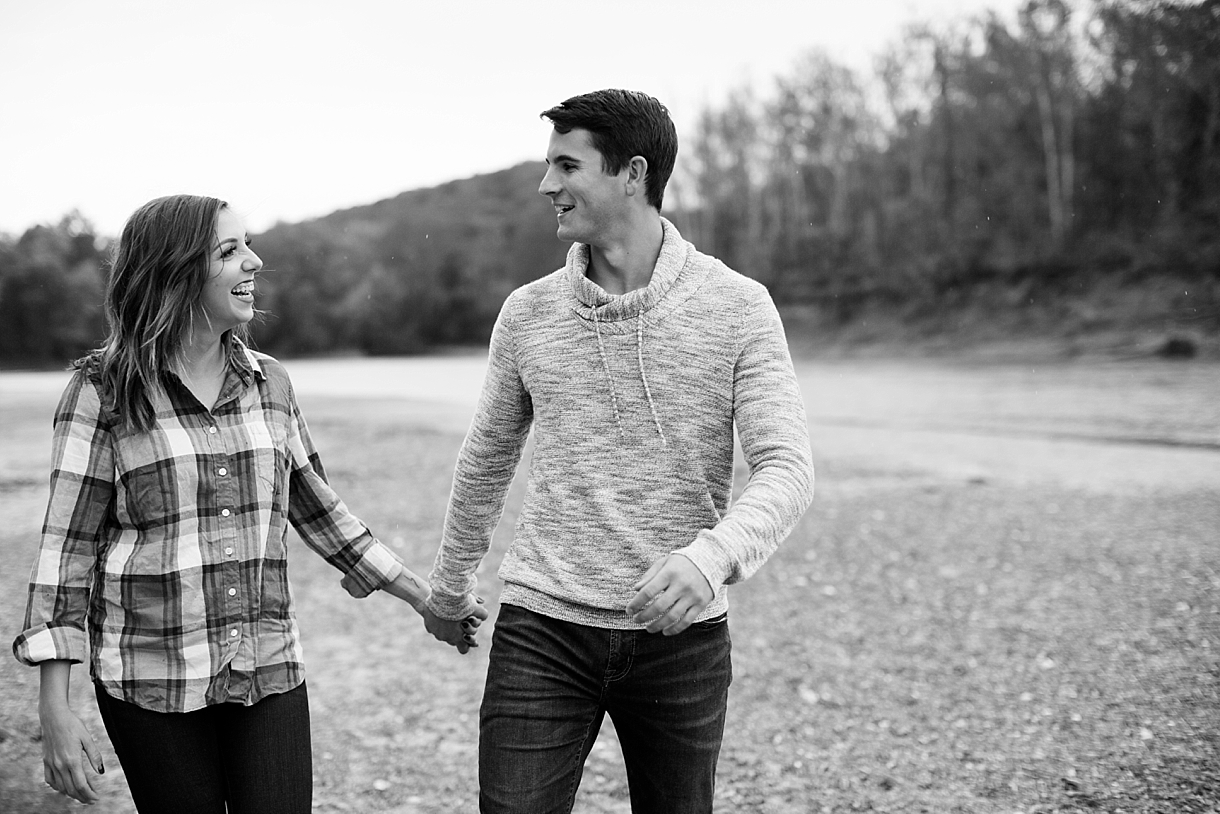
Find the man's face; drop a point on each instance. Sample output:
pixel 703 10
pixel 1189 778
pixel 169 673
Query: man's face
pixel 589 204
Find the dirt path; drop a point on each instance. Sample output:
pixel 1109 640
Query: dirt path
pixel 1003 590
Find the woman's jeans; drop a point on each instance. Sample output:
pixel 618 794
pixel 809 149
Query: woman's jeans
pixel 255 759
pixel 549 684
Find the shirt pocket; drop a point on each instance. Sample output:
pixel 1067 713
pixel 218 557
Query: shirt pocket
pixel 272 469
pixel 158 493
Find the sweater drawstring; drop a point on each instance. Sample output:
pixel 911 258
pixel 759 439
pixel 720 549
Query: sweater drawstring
pixel 601 350
pixel 639 348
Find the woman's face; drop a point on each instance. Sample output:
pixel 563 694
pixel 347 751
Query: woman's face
pixel 228 294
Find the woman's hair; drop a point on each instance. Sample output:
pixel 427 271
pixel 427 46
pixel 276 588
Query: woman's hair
pixel 157 276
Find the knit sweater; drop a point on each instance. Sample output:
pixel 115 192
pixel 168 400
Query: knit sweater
pixel 633 400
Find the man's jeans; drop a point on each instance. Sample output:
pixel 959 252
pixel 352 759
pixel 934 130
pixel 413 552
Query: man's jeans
pixel 549 685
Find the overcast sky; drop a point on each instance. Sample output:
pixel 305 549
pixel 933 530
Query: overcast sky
pixel 290 109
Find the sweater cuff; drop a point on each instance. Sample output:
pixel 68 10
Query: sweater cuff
pixel 710 558
pixel 449 607
pixel 378 567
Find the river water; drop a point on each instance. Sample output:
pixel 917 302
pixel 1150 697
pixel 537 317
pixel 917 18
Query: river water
pixel 1094 425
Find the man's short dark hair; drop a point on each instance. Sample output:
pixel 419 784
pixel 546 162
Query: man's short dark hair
pixel 623 124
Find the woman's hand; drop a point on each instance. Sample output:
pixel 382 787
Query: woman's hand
pixel 71 761
pixel 459 633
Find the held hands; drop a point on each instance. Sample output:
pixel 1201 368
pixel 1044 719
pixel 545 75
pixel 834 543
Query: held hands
pixel 672 593
pixel 71 761
pixel 410 588
pixel 459 633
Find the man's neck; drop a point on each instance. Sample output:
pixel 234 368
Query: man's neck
pixel 626 264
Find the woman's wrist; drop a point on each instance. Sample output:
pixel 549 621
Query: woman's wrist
pixel 53 682
pixel 411 589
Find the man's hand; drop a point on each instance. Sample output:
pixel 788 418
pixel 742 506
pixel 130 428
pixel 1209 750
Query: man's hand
pixel 461 634
pixel 71 761
pixel 672 593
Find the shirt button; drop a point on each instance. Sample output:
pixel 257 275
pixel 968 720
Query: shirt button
pixel 232 592
pixel 224 513
pixel 229 550
pixel 212 430
pixel 233 633
pixel 222 471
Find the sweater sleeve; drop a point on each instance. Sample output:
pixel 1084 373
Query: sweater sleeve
pixel 773 429
pixel 485 467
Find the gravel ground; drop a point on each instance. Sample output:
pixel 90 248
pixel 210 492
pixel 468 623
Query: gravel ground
pixel 1006 598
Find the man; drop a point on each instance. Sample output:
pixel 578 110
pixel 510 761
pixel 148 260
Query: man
pixel 632 364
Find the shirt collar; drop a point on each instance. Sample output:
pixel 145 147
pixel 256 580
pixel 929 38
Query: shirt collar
pixel 244 362
pixel 675 252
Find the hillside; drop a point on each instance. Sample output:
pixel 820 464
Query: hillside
pixel 431 267
pixel 425 268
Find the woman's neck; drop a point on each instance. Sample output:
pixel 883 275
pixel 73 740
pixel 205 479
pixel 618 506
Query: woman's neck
pixel 201 367
pixel 200 355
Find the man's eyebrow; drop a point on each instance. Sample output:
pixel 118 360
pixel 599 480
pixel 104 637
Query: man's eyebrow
pixel 567 158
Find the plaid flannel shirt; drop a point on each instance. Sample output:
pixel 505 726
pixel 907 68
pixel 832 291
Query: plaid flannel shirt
pixel 167 550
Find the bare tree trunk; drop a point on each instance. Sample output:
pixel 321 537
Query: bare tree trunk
pixel 1209 129
pixel 1067 163
pixel 1166 177
pixel 950 156
pixel 1050 153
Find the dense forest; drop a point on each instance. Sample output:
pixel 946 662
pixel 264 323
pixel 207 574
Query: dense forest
pixel 1059 169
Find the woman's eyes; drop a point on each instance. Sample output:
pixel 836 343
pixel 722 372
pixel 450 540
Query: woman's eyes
pixel 232 250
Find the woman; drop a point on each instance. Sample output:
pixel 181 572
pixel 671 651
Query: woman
pixel 180 458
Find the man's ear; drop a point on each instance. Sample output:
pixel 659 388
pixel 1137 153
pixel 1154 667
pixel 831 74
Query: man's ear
pixel 637 173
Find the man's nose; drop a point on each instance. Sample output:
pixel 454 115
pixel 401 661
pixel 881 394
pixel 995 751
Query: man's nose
pixel 548 185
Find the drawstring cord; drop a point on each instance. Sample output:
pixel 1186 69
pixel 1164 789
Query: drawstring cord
pixel 601 349
pixel 639 347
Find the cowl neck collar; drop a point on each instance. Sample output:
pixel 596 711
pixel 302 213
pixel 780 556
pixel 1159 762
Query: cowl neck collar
pixel 594 302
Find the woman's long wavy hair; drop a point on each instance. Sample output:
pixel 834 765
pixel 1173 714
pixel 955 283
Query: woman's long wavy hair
pixel 157 276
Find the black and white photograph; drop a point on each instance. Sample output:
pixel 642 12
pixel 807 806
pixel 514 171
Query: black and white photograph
pixel 610 407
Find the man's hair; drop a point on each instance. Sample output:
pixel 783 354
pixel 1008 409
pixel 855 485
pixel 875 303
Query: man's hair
pixel 623 124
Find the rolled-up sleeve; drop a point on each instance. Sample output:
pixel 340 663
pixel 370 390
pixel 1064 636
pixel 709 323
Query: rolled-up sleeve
pixel 325 523
pixel 82 489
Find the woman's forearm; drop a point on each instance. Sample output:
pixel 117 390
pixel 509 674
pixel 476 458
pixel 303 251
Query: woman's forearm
pixel 53 681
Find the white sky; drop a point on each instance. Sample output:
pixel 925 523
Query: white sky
pixel 291 109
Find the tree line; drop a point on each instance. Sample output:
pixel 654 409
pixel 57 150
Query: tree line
pixel 1064 140
pixel 1069 143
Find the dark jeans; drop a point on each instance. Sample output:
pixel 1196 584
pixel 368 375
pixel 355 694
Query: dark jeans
pixel 255 759
pixel 549 685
